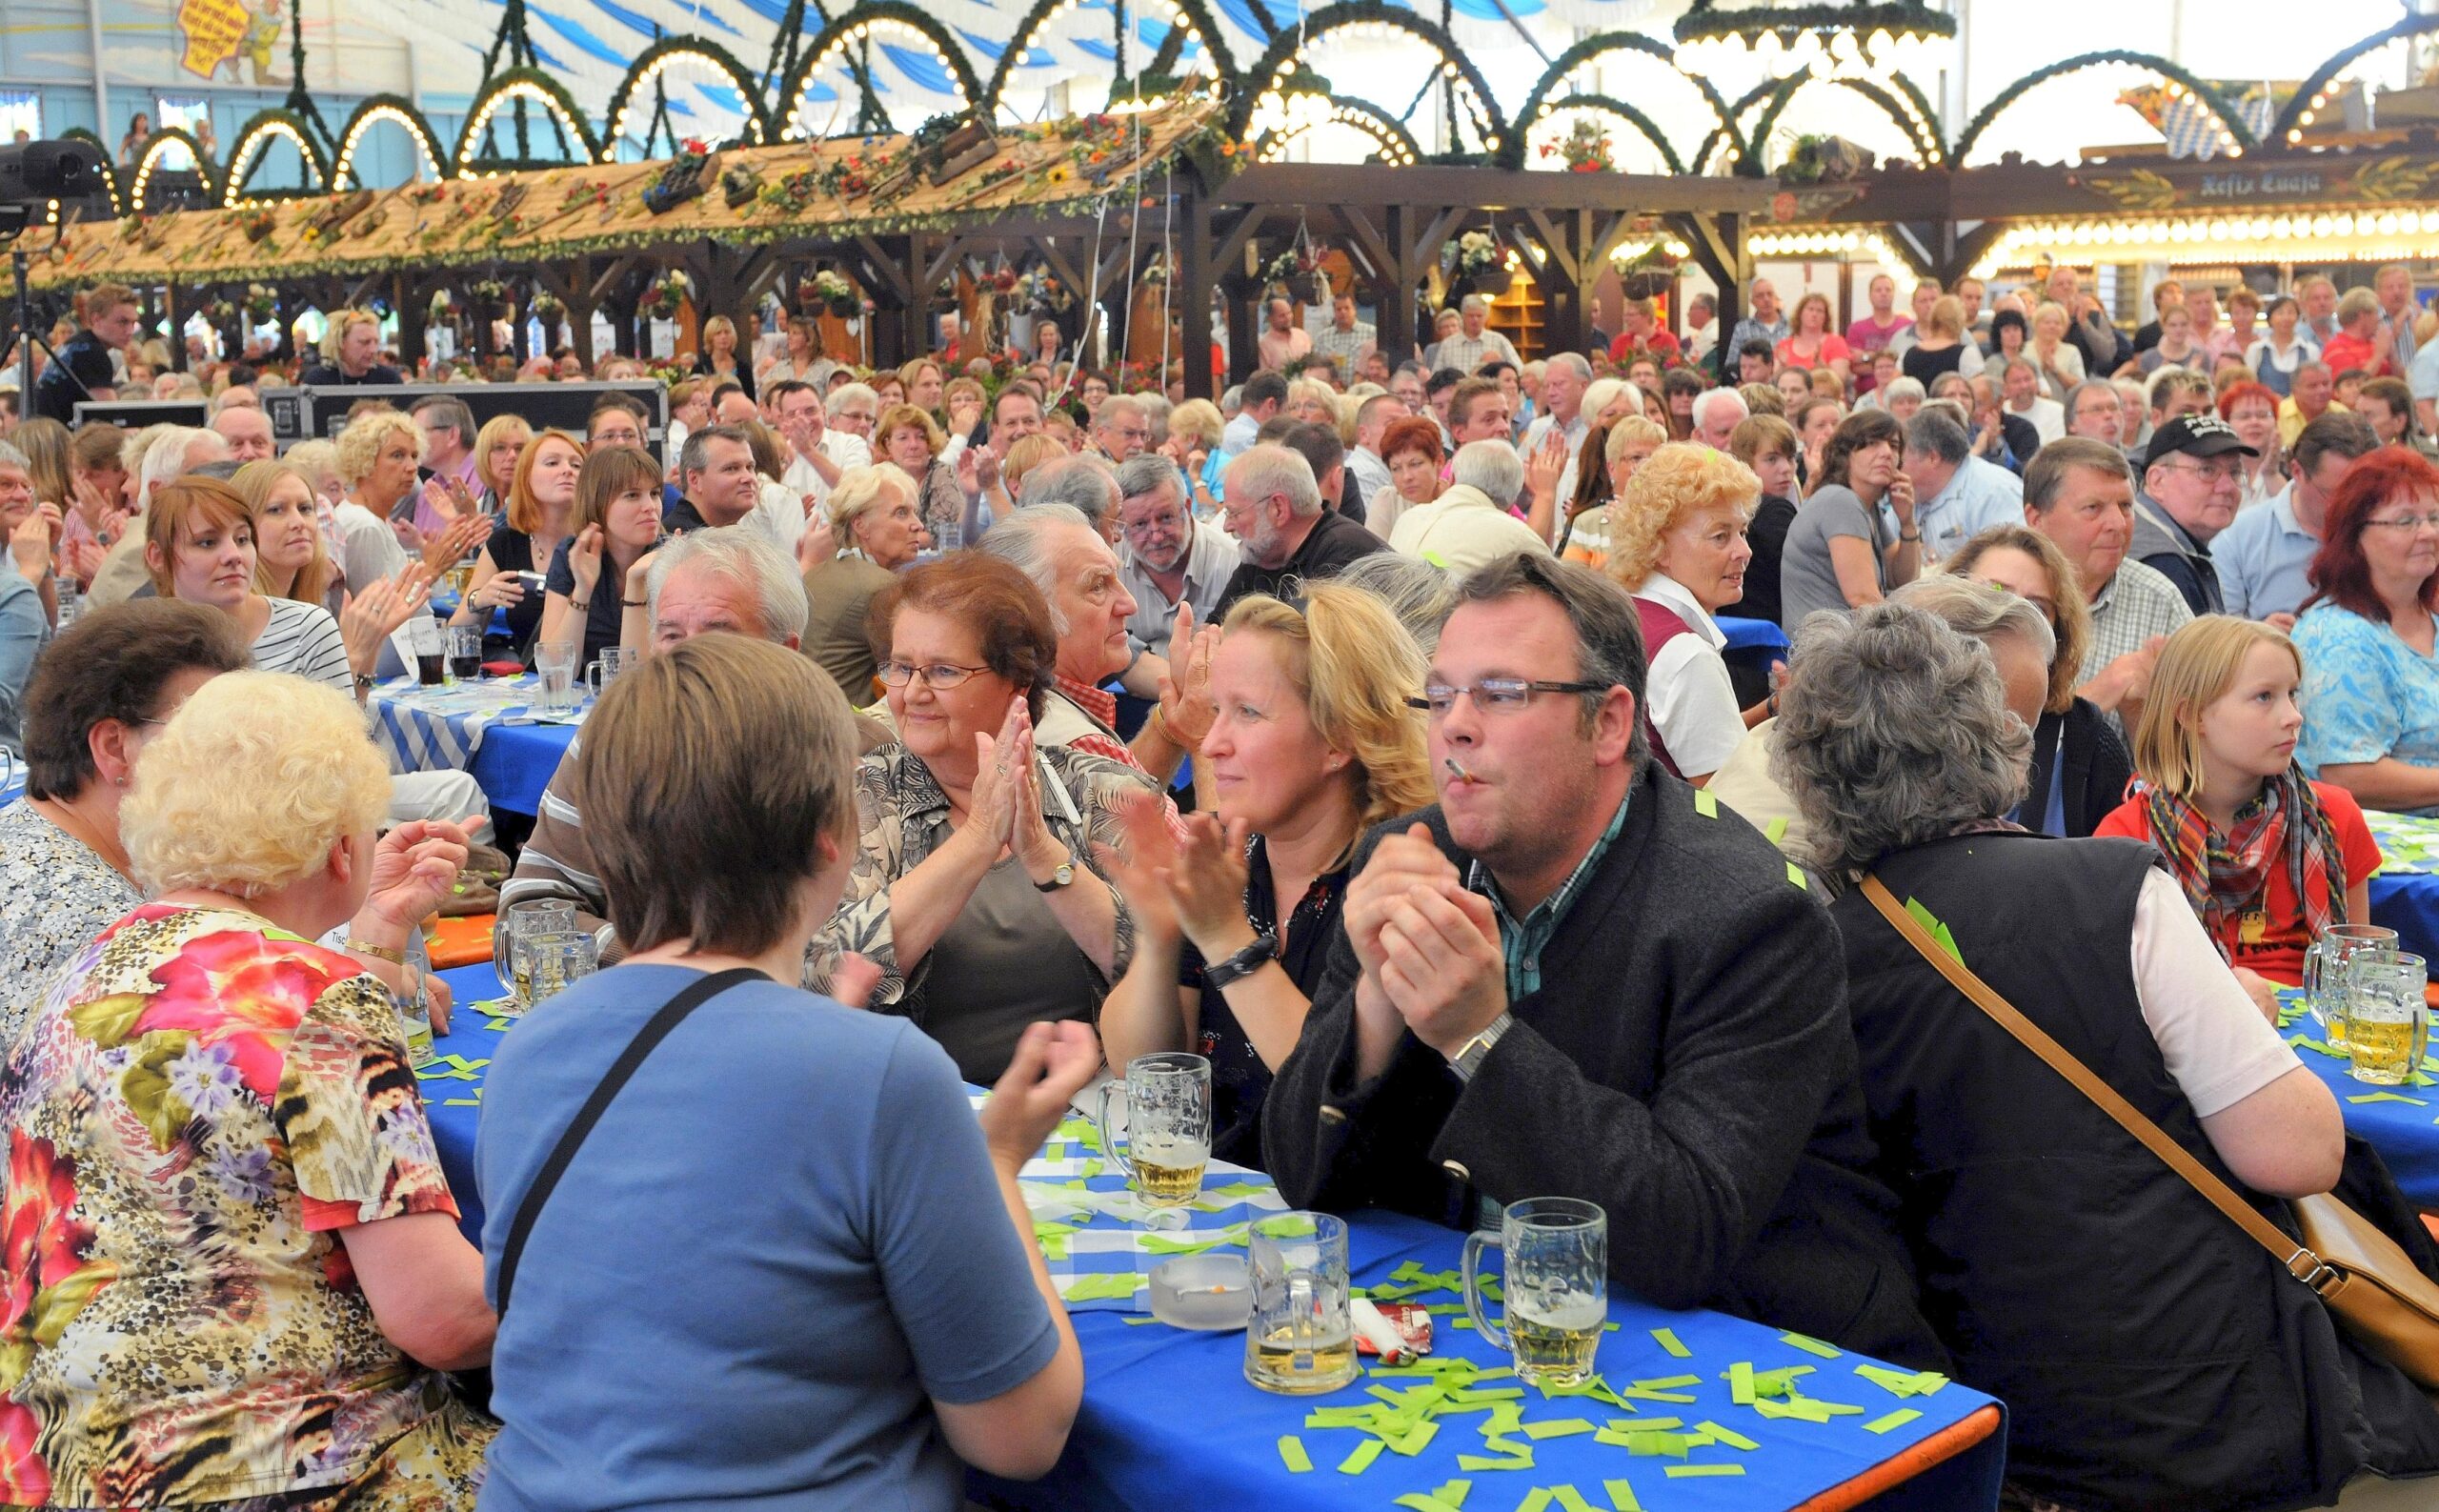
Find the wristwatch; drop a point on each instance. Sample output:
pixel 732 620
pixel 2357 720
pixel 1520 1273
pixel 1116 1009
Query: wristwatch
pixel 1060 875
pixel 1263 950
pixel 1469 1056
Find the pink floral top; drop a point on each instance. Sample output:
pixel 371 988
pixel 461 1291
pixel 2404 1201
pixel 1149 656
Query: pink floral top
pixel 198 1103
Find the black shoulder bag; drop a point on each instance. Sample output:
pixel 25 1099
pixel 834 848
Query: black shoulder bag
pixel 672 1013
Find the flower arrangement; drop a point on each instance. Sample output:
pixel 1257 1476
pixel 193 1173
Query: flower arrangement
pixel 1473 252
pixel 441 308
pixel 258 222
pixel 1003 281
pixel 681 179
pixel 262 301
pixel 549 310
pixel 584 190
pixel 1585 148
pixel 667 294
pixel 488 293
pixel 830 287
pixel 221 312
pixel 1035 290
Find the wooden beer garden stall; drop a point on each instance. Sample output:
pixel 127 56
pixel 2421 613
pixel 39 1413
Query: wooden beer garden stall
pixel 1140 212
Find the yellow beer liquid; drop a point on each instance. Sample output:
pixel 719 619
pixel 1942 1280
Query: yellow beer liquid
pixel 1169 1171
pixel 1277 1365
pixel 2382 1050
pixel 1557 1350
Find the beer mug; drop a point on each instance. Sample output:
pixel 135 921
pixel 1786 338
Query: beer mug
pixel 2324 970
pixel 2387 1020
pixel 1168 1125
pixel 1300 1340
pixel 556 961
pixel 605 670
pixel 540 915
pixel 1557 1287
pixel 556 665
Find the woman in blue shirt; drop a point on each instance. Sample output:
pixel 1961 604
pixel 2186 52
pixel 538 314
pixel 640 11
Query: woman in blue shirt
pixel 2371 675
pixel 24 624
pixel 790 1265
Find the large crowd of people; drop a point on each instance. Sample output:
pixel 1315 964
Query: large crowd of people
pixel 1389 733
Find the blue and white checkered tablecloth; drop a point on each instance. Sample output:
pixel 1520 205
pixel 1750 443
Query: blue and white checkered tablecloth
pixel 439 729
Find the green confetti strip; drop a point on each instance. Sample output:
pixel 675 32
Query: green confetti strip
pixel 1707 803
pixel 1453 1493
pixel 1361 1460
pixel 1775 831
pixel 1666 1338
pixel 1534 1501
pixel 1671 1445
pixel 1569 1498
pixel 1667 1382
pixel 1894 1419
pixel 1902 1382
pixel 1686 1472
pixel 1291 1451
pixel 1415 1442
pixel 1483 1461
pixel 1422 1502
pixel 1739 1383
pixel 2370 1096
pixel 1561 1428
pixel 1138 1322
pixel 1811 1345
pixel 1622 1496
pixel 1642 1394
pixel 1795 874
pixel 1728 1437
pixel 1114 1287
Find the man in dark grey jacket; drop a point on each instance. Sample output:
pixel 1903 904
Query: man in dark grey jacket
pixel 1574 978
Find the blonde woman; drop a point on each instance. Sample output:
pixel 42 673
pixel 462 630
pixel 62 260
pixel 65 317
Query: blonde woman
pixel 1195 430
pixel 290 558
pixel 268 1210
pixel 540 515
pixel 2059 361
pixel 719 359
pixel 1630 443
pixel 880 526
pixel 1312 402
pixel 1314 743
pixel 1677 543
pixel 2267 859
pixel 498 446
pixel 377 456
pixel 350 352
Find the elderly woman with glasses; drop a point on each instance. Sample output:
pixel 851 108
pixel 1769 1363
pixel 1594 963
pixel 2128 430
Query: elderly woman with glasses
pixel 977 887
pixel 875 516
pixel 2370 667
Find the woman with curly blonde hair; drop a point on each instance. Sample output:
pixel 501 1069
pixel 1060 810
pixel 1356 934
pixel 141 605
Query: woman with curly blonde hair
pixel 1314 742
pixel 263 1204
pixel 1677 543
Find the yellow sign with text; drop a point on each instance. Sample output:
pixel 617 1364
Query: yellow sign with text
pixel 214 30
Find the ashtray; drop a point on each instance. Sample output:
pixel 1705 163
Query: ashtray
pixel 1212 1292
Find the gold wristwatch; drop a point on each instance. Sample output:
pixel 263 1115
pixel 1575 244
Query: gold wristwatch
pixel 1470 1054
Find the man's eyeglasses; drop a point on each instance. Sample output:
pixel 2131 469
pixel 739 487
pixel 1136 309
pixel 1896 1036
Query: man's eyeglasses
pixel 2209 472
pixel 940 677
pixel 1495 694
pixel 2406 522
pixel 1171 523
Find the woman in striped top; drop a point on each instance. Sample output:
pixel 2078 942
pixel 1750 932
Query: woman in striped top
pixel 199 546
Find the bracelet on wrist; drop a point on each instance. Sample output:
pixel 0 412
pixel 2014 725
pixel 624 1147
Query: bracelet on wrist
pixel 583 606
pixel 396 958
pixel 634 603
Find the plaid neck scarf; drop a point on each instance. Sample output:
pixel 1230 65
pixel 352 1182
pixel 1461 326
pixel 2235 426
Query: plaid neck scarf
pixel 2224 876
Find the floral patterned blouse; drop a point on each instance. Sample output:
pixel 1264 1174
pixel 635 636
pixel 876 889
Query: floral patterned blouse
pixel 903 817
pixel 55 896
pixel 200 1100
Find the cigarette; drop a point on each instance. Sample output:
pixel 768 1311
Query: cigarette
pixel 1458 771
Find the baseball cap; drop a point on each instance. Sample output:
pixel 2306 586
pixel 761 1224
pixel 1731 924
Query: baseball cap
pixel 2195 436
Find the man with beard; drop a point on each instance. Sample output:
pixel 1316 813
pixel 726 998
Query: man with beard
pixel 1167 557
pixel 1273 509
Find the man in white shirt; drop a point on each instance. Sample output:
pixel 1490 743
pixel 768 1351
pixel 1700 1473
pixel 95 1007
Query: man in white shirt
pixel 2020 388
pixel 1264 395
pixel 1702 328
pixel 1366 473
pixel 816 451
pixel 1166 555
pixel 1564 379
pixel 1469 526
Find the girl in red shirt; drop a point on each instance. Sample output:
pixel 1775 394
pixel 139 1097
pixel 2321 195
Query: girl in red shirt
pixel 2268 858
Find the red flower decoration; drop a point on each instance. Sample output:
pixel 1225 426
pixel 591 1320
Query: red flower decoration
pixel 241 991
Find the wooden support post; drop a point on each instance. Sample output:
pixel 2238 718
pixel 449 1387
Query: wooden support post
pixel 1395 322
pixel 1193 293
pixel 408 299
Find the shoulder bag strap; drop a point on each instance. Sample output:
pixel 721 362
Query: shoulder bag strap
pixel 2300 1262
pixel 672 1013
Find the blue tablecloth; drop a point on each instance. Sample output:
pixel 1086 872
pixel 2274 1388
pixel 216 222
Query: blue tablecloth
pixel 13 787
pixel 476 728
pixel 2399 1123
pixel 1168 1421
pixel 2404 891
